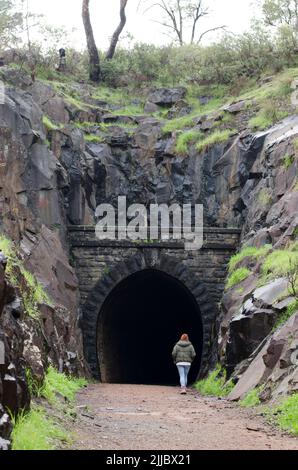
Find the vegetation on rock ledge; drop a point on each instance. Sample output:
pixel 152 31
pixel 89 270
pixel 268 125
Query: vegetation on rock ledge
pixel 215 384
pixel 36 430
pixel 32 292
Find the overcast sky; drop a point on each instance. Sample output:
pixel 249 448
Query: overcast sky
pixel 235 14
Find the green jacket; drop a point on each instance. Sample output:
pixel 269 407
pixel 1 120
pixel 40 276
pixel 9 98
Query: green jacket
pixel 183 352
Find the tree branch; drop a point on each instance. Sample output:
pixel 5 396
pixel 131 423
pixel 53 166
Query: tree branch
pixel 119 29
pixel 209 31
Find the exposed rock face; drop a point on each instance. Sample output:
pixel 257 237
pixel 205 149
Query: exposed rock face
pixel 253 322
pixel 13 389
pixel 32 213
pixel 268 198
pixel 274 366
pixel 32 181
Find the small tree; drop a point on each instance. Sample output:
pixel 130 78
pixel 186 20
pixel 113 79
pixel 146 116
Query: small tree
pixel 118 31
pixel 94 61
pixel 281 12
pixel 10 23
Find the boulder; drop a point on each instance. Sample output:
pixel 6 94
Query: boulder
pixel 235 108
pixel 151 107
pixel 270 293
pixel 167 97
pixel 180 109
pixel 274 367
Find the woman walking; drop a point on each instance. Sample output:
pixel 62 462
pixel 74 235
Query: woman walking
pixel 183 356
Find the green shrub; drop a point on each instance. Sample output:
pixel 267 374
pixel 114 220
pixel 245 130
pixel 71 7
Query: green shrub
pixel 217 137
pixel 35 431
pixel 215 384
pixel 58 383
pixel 249 252
pixel 237 276
pixel 252 398
pixel 187 138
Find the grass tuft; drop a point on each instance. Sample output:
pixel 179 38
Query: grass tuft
pixel 217 137
pixel 60 384
pixel 35 431
pixel 285 415
pixel 291 310
pixel 96 139
pixel 187 138
pixel 288 161
pixel 252 398
pixel 279 263
pixel 249 252
pixel 269 115
pixel 237 276
pixel 32 292
pixel 50 125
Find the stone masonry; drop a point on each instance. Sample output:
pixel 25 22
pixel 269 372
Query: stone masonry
pixel 102 265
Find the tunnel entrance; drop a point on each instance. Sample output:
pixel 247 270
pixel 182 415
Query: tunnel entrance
pixel 139 323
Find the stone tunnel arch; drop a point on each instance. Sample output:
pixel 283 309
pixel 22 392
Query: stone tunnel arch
pixel 135 314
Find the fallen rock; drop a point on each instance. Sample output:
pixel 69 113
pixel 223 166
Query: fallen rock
pixel 254 321
pixel 274 367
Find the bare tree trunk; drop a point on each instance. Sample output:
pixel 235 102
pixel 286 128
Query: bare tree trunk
pixel 116 35
pixel 94 70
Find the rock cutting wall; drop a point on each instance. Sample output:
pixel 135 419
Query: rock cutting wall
pixel 51 178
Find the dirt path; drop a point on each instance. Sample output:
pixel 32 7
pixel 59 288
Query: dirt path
pixel 137 417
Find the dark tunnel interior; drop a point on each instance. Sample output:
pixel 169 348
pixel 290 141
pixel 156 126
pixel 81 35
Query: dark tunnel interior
pixel 139 324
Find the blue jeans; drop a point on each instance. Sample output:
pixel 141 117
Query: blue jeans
pixel 183 372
